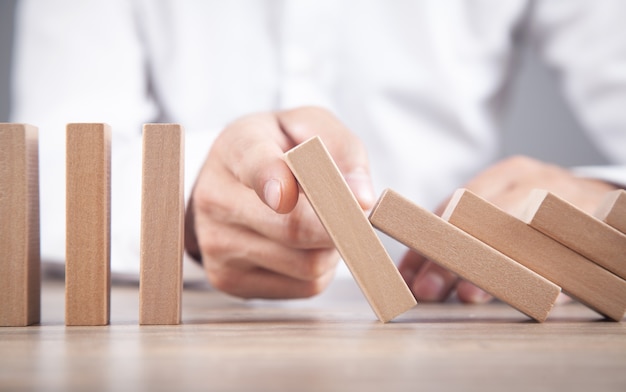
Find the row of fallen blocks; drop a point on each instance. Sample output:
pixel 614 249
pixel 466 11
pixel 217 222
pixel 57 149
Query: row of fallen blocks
pixel 524 261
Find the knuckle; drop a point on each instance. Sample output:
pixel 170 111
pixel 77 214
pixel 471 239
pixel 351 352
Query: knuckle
pixel 315 287
pixel 521 162
pixel 318 264
pixel 303 229
pixel 223 278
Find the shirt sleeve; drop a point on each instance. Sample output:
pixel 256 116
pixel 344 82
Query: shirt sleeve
pixel 83 62
pixel 583 43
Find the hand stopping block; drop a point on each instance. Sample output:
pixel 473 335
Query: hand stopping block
pixel 347 225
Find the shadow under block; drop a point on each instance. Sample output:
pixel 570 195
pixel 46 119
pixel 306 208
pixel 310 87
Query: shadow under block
pixel 20 276
pixel 464 255
pixel 579 277
pixel 612 210
pixel 577 230
pixel 88 214
pixel 162 219
pixel 347 225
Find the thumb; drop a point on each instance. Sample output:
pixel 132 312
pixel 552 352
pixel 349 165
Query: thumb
pixel 251 149
pixel 346 149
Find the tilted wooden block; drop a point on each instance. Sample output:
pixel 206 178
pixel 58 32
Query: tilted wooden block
pixel 612 210
pixel 579 277
pixel 162 220
pixel 88 242
pixel 469 258
pixel 577 230
pixel 349 229
pixel 20 276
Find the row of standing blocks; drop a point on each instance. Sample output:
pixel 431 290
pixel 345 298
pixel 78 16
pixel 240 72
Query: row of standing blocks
pixel 524 261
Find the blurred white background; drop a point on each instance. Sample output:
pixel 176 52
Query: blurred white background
pixel 536 107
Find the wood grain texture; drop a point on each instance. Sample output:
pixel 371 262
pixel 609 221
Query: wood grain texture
pixel 162 219
pixel 20 276
pixel 327 343
pixel 88 242
pixel 347 225
pixel 579 277
pixel 469 258
pixel 612 210
pixel 577 230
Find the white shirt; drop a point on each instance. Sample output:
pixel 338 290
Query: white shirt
pixel 421 82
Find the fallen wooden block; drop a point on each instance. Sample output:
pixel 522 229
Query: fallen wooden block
pixel 579 277
pixel 469 258
pixel 347 225
pixel 612 210
pixel 162 224
pixel 577 230
pixel 20 276
pixel 88 242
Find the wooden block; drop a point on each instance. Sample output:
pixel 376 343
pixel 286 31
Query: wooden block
pixel 577 230
pixel 88 243
pixel 612 210
pixel 469 258
pixel 347 225
pixel 579 277
pixel 162 224
pixel 20 276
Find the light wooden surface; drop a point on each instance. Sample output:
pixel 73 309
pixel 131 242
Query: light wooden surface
pixel 19 225
pixel 579 231
pixel 579 277
pixel 330 343
pixel 88 211
pixel 162 215
pixel 348 227
pixel 469 258
pixel 612 210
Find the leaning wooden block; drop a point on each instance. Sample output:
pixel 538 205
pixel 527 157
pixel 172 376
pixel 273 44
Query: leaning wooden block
pixel 612 210
pixel 162 220
pixel 88 196
pixel 469 258
pixel 349 229
pixel 579 277
pixel 577 230
pixel 20 281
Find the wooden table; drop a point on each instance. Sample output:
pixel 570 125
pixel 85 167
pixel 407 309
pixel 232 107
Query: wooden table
pixel 332 342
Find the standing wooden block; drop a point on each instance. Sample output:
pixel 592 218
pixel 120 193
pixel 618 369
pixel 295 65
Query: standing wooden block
pixel 579 277
pixel 20 280
pixel 612 210
pixel 575 229
pixel 88 203
pixel 347 225
pixel 439 241
pixel 162 220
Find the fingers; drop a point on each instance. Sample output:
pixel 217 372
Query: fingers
pixel 468 293
pixel 223 244
pixel 234 204
pixel 346 149
pixel 251 150
pixel 232 223
pixel 430 282
pixel 433 283
pixel 249 281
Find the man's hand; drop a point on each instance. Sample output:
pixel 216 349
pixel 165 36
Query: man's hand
pixel 256 234
pixel 507 185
